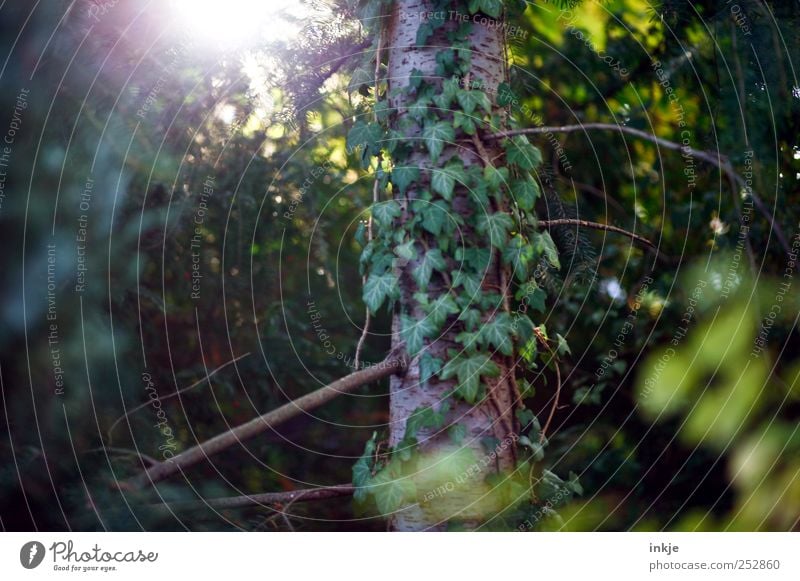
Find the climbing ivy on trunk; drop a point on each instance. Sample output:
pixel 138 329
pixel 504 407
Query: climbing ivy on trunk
pixel 453 255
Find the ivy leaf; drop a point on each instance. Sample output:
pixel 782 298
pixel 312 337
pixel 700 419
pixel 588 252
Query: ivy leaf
pixel 432 259
pixel 424 32
pixel 449 90
pixel 422 417
pixel 444 180
pixel 536 299
pixel 366 135
pixel 471 318
pixel 497 332
pixel 429 366
pixel 526 192
pixel 563 346
pixel 476 258
pixel 546 246
pixel 495 177
pixel 415 332
pixel 464 122
pixel 470 99
pixel 491 8
pixel 470 282
pixel 457 432
pixel 445 61
pixel 377 289
pixel 537 450
pixel 406 250
pixel 436 136
pixel 469 371
pixel 505 96
pixel 415 79
pixel 392 492
pixel 434 217
pixel 441 308
pixel 404 176
pixel 573 484
pixel 519 255
pixel 419 108
pixel 385 212
pixel 362 470
pixel 496 226
pixel 521 153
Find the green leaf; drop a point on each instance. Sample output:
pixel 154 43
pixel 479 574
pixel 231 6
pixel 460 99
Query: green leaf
pixel 422 417
pixel 444 180
pixel 563 347
pixel 469 100
pixel 465 122
pixel 519 255
pixel 404 176
pixel 419 108
pixel 497 332
pixel 505 96
pixel 469 371
pixel 441 308
pixel 415 332
pixel 521 153
pixel 385 212
pixel 471 318
pixel 432 259
pixel 471 282
pixel 366 135
pixel 377 289
pixel 429 367
pixel 436 136
pixel 525 192
pixel 496 226
pixel 406 250
pixel 424 32
pixel 495 177
pixel 449 89
pixel 415 79
pixel 544 245
pixel 434 217
pixel 362 469
pixel 392 492
pixel 493 8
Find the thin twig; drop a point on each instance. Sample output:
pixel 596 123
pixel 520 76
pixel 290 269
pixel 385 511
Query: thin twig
pixel 162 398
pixel 719 160
pixel 266 498
pixel 395 363
pixel 596 226
pixel 125 452
pixel 553 408
pixel 375 197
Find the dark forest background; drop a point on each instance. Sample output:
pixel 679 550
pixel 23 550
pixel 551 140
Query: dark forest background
pixel 171 158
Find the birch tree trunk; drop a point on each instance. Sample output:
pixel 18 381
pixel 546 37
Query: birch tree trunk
pixel 492 418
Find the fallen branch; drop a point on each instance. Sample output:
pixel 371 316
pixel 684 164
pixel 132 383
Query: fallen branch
pixel 718 160
pixel 265 422
pixel 596 226
pixel 290 497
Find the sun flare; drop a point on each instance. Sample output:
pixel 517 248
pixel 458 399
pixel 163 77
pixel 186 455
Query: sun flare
pixel 237 23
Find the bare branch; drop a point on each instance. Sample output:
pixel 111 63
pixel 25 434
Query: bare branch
pixel 267 421
pixel 596 226
pixel 290 497
pixel 717 159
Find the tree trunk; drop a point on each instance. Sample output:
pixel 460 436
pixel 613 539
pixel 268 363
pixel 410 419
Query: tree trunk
pixel 491 419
